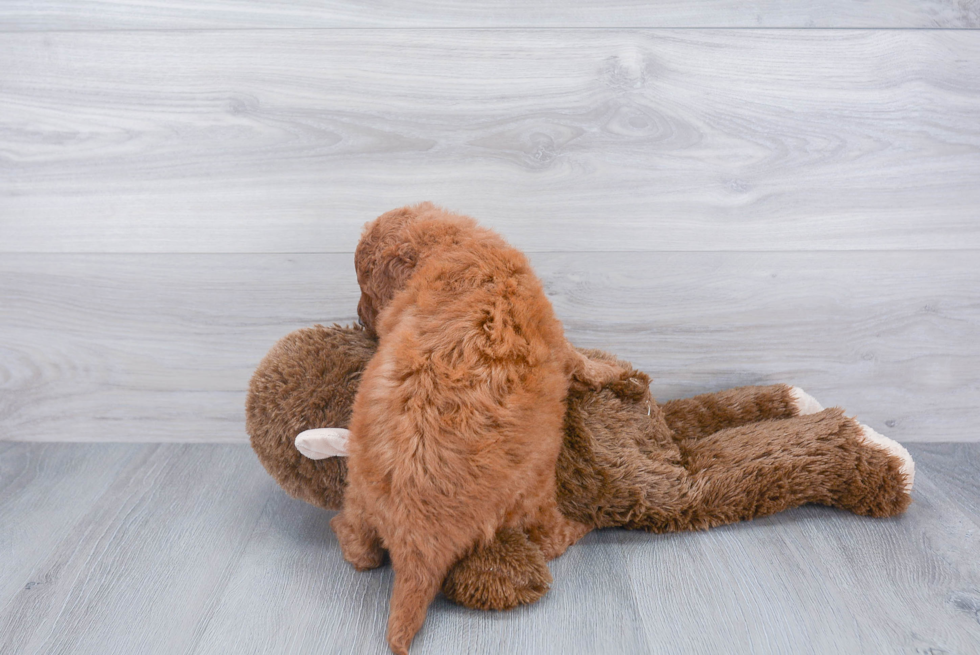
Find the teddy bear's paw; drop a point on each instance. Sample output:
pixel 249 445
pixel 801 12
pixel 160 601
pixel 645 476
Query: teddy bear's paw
pixel 322 443
pixel 805 403
pixel 508 572
pixel 894 449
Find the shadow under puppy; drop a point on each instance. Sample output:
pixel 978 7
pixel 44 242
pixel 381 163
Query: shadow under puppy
pixel 457 424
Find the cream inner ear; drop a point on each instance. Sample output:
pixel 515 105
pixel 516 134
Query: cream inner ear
pixel 323 442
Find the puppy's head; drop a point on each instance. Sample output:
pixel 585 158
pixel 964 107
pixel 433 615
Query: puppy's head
pixel 393 245
pixel 384 260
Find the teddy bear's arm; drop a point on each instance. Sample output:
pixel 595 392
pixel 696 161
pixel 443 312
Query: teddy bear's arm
pixel 592 371
pixel 693 418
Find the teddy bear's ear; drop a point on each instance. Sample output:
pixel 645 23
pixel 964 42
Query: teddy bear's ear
pixel 323 442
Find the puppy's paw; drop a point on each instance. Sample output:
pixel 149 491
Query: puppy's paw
pixel 804 402
pixel 894 449
pixel 359 544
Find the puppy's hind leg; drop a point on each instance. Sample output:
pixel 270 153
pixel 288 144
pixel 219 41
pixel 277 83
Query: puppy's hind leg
pixel 359 542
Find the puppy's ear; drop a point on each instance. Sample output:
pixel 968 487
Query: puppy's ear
pixel 408 255
pixel 400 260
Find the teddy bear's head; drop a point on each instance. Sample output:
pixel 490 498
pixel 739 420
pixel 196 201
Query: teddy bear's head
pixel 308 380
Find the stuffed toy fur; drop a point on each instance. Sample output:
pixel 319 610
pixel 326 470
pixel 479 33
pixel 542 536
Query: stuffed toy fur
pixel 626 461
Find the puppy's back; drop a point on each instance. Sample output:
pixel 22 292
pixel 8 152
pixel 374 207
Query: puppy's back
pixel 457 423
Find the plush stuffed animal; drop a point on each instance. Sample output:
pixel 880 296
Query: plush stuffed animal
pixel 626 461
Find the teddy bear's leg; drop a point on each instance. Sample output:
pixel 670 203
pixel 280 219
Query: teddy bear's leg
pixel 507 572
pixel 359 542
pixel 307 380
pixel 767 467
pixel 703 415
pixel 511 570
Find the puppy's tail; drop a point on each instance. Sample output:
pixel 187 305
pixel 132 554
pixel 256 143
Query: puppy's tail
pixel 417 581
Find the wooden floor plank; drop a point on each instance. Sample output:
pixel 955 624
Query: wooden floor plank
pixel 20 15
pixel 161 348
pixel 194 549
pixel 565 140
pixel 289 593
pixel 589 609
pixel 60 484
pixel 138 573
pixel 953 469
pixel 880 585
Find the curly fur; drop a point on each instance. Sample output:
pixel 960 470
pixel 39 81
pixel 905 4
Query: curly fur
pixel 456 428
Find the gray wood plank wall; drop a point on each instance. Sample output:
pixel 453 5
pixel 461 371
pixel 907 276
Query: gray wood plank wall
pixel 210 14
pixel 288 140
pixel 180 185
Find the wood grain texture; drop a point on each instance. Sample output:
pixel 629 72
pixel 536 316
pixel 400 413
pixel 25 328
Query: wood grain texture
pixel 198 14
pixel 50 481
pixel 146 562
pixel 565 140
pixel 193 549
pixel 953 468
pixel 769 577
pixel 161 347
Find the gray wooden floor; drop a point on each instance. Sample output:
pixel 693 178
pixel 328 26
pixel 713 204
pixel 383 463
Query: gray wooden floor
pixel 179 548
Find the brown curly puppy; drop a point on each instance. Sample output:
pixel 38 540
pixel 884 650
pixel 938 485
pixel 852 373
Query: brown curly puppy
pixel 457 424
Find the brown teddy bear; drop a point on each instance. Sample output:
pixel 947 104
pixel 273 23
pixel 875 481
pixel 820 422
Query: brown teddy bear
pixel 626 461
